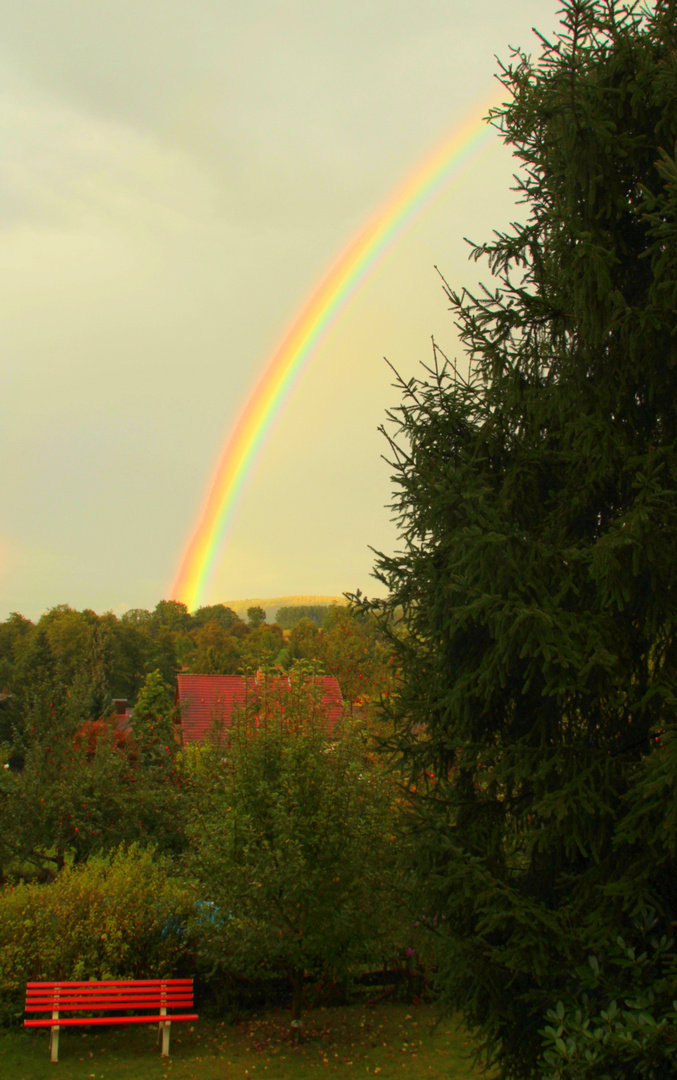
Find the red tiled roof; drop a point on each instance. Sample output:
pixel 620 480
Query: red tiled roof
pixel 209 699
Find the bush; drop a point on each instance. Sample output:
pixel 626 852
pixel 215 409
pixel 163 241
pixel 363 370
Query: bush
pixel 615 1019
pixel 108 919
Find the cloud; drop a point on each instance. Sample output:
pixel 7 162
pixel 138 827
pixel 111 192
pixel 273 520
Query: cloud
pixel 175 176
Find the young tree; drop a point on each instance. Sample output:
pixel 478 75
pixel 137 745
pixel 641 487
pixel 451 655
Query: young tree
pixel 354 650
pixel 172 614
pixel 262 646
pixel 89 693
pixel 292 841
pixel 537 502
pixel 83 786
pixel 68 798
pixel 288 617
pixel 256 616
pixel 217 651
pixel 157 806
pixel 218 613
pixel 14 635
pixel 305 640
pixel 153 711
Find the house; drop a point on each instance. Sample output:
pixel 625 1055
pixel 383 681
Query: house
pixel 117 724
pixel 123 715
pixel 207 700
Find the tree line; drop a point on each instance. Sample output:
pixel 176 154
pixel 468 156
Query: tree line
pixel 212 641
pixel 83 777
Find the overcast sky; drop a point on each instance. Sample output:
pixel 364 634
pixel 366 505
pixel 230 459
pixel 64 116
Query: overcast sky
pixel 175 176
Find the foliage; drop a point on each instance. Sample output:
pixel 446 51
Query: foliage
pixel 172 614
pixel 256 616
pixel 288 617
pixel 292 842
pixel 14 632
pixel 224 616
pixel 68 633
pixel 617 1018
pixel 105 920
pixel 79 782
pixel 99 656
pixel 537 506
pixel 124 650
pixel 357 653
pixel 351 647
pixel 262 646
pixel 61 802
pixel 87 787
pixel 305 640
pixel 132 643
pixel 217 651
pixel 153 719
pixel 89 694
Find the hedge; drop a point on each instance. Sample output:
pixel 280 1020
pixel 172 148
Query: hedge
pixel 114 917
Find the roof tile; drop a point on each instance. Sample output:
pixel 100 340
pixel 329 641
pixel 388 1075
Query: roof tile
pixel 206 700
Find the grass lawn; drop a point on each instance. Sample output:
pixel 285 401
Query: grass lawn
pixel 386 1040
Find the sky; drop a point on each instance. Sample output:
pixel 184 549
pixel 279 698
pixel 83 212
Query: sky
pixel 175 178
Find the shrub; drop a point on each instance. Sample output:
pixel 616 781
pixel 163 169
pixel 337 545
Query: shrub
pixel 615 1019
pixel 108 919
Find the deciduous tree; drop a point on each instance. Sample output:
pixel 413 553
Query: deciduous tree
pixel 256 616
pixel 292 840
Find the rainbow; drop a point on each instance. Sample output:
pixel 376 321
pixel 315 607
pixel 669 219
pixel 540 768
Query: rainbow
pixel 358 259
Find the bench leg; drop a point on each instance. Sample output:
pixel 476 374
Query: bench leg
pixel 165 1025
pixel 54 1042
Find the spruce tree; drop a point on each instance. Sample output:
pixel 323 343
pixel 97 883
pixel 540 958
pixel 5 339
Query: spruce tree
pixel 537 507
pixel 153 721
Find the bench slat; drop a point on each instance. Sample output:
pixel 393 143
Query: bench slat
pixel 53 990
pixel 75 1006
pixel 107 997
pixel 166 999
pixel 153 996
pixel 79 1022
pixel 111 982
pixel 103 1002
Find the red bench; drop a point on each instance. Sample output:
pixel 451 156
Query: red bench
pixel 156 995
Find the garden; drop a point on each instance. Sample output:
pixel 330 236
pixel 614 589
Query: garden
pixel 384 1040
pixel 493 822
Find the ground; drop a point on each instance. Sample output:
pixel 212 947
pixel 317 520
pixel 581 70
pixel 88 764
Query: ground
pixel 385 1040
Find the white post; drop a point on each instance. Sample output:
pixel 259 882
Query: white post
pixel 54 1030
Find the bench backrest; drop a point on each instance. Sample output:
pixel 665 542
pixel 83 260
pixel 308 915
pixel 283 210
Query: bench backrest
pixel 109 994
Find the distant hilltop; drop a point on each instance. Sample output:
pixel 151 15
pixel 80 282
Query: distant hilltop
pixel 271 606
